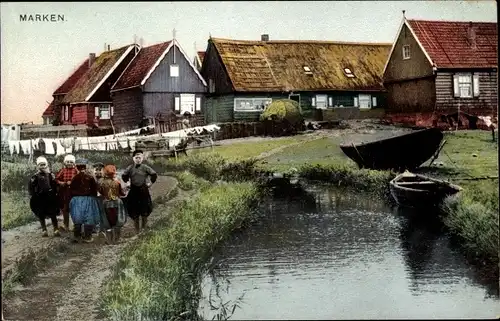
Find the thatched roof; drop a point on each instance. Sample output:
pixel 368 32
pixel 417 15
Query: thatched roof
pixel 71 81
pixel 97 72
pixel 302 65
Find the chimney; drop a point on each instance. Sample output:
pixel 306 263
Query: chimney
pixel 109 47
pixel 264 37
pixel 471 33
pixel 91 58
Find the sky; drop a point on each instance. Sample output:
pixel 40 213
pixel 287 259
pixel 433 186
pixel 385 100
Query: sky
pixel 37 57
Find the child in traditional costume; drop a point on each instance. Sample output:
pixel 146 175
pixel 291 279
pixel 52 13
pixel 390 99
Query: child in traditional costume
pixel 84 208
pixel 103 224
pixel 139 203
pixel 64 178
pixel 112 191
pixel 43 191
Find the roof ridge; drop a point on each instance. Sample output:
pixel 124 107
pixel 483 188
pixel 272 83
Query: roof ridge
pixel 307 41
pixel 452 21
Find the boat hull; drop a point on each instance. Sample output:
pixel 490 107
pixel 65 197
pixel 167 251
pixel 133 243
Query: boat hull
pixel 424 196
pixel 407 151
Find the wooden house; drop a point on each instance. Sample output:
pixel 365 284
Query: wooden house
pixel 198 59
pixel 160 81
pixel 55 110
pixel 88 99
pixel 48 114
pixel 441 66
pixel 244 76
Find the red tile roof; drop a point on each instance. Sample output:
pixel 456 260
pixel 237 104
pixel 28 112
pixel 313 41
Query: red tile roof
pixel 49 111
pixel 140 66
pixel 73 79
pixel 447 43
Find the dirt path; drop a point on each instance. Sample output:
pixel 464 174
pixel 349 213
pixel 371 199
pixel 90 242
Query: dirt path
pixel 74 273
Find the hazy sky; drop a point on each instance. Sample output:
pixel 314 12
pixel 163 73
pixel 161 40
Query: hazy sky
pixel 36 57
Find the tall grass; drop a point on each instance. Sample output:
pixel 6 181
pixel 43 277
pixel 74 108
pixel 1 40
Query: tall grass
pixel 473 216
pixel 159 279
pixel 348 176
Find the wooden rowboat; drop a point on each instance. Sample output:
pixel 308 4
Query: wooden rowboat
pixel 414 190
pixel 407 151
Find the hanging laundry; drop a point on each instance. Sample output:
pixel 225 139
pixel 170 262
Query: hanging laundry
pixel 49 146
pixel 13 146
pixel 123 143
pixel 35 143
pixel 112 145
pixel 25 146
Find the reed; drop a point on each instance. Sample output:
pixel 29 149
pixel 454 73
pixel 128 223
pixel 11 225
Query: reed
pixel 159 278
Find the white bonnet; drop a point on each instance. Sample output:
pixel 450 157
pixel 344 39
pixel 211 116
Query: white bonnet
pixel 69 158
pixel 40 160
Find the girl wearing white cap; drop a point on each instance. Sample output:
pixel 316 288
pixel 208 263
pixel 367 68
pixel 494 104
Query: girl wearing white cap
pixel 64 178
pixel 43 191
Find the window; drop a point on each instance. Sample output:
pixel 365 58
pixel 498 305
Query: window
pixel 174 70
pixel 465 85
pixel 198 104
pixel 251 104
pixel 187 103
pixel 348 73
pixel 406 52
pixel 364 101
pixel 103 111
pixel 374 101
pixel 307 70
pixel 66 113
pixel 321 101
pixel 356 102
pixel 330 102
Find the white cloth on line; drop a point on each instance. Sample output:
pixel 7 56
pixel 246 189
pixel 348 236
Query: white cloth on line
pixel 123 143
pixel 35 143
pixel 25 146
pixel 112 145
pixel 13 146
pixel 49 147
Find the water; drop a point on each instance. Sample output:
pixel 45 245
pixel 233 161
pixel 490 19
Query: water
pixel 343 256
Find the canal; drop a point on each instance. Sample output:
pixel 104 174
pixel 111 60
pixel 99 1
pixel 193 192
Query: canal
pixel 340 255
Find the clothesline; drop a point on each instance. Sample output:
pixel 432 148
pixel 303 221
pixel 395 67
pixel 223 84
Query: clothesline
pixel 61 146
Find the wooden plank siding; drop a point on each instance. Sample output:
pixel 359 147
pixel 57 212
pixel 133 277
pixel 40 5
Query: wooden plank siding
pixel 487 100
pixel 411 95
pixel 160 88
pixel 400 69
pixel 128 113
pixel 213 70
pixel 103 93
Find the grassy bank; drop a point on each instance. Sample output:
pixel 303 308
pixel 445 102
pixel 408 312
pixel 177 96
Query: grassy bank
pixel 159 278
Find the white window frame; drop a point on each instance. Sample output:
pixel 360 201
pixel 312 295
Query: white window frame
pixel 356 102
pixel 187 103
pixel 174 70
pixel 252 104
pixel 198 104
pixel 330 101
pixel 466 85
pixel 322 99
pixel 406 54
pixel 367 97
pixel 98 111
pixel 374 101
pixel 66 113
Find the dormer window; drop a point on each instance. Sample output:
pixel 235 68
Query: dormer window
pixel 348 73
pixel 307 70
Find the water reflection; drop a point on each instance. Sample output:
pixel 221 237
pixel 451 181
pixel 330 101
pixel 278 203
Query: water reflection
pixel 335 254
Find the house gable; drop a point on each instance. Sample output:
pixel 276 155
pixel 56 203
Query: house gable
pixel 214 71
pixel 159 78
pixel 418 65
